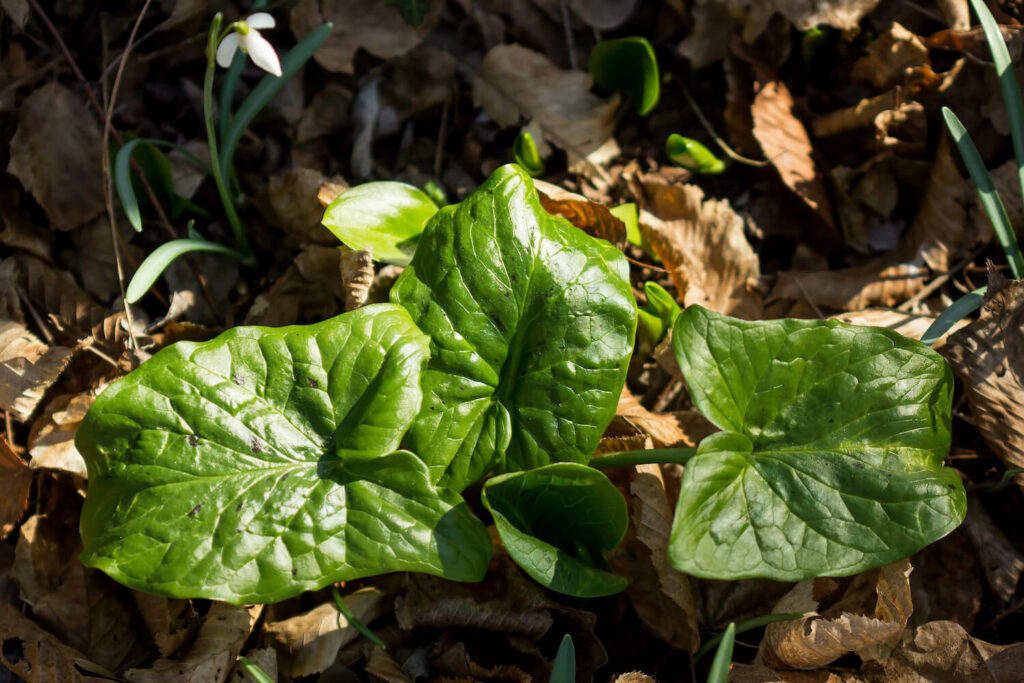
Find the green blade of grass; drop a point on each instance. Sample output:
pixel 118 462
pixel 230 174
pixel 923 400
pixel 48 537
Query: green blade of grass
pixel 123 175
pixel 743 627
pixel 986 192
pixel 265 91
pixel 719 672
pixel 1007 82
pixel 353 621
pixel 960 308
pixel 253 669
pixel 156 263
pixel 564 668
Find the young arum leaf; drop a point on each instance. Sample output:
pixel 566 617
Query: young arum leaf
pixel 262 464
pixel 384 217
pixel 269 86
pixel 661 303
pixel 957 311
pixel 123 181
pixel 531 323
pixel 157 262
pixel 629 65
pixel 830 462
pixel 563 670
pixel 719 672
pixel 692 155
pixel 436 193
pixel 557 522
pixel 525 152
pixel 990 199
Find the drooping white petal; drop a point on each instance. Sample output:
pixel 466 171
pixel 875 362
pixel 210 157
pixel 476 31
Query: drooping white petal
pixel 226 49
pixel 262 53
pixel 260 20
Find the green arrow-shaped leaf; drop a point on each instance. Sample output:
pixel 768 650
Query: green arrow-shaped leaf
pixel 531 323
pixel 831 458
pixel 262 464
pixel 557 522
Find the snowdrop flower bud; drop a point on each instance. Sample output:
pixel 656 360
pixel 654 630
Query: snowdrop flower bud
pixel 246 37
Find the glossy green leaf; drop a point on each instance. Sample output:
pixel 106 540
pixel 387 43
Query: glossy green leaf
pixel 629 65
pixel 692 155
pixel 557 522
pixel 384 217
pixel 262 464
pixel 830 461
pixel 531 323
pixel 527 156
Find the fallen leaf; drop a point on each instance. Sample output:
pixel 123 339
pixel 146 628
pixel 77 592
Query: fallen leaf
pixel 379 664
pixel 989 357
pixel 592 218
pixel 309 289
pixel 888 56
pixel 852 289
pixel 456 662
pixel 756 673
pixel 1003 563
pixel 27 368
pixel 38 657
pixel 860 115
pixel 708 42
pixel 357 275
pixel 903 130
pixel 293 199
pixel 662 428
pixel 515 83
pixel 806 14
pixel 15 485
pixel 635 677
pixel 785 143
pixel 326 113
pixel 51 443
pixel 868 618
pixel 308 643
pixel 912 325
pixel 211 657
pixel 170 621
pixel 377 28
pixel 55 154
pixel 702 244
pixel 17 10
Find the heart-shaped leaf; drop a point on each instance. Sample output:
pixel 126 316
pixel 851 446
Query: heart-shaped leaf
pixel 557 522
pixel 385 218
pixel 531 323
pixel 831 458
pixel 262 464
pixel 629 65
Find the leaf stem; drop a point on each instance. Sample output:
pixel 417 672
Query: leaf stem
pixel 214 38
pixel 654 455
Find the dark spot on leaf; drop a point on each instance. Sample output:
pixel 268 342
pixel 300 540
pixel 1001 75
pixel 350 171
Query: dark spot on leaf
pixel 13 651
pixel 831 420
pixel 313 383
pixel 951 487
pixel 513 277
pixel 239 506
pixel 236 378
pixel 285 476
pixel 508 294
pixel 238 530
pixel 195 510
pixel 858 465
pixel 294 571
pixel 561 348
pixel 254 446
pixel 192 440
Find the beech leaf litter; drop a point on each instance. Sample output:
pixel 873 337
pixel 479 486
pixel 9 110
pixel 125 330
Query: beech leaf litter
pixel 843 197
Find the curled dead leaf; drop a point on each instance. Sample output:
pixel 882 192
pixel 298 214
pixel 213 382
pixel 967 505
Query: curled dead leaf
pixel 27 368
pixel 36 655
pixel 852 289
pixel 860 115
pixel 51 443
pixel 912 325
pixel 889 56
pixel 662 428
pixel 15 485
pixel 295 202
pixel 357 275
pixel 592 218
pixel 866 614
pixel 702 244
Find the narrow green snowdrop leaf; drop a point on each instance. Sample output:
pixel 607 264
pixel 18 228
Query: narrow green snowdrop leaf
pixel 156 167
pixel 557 522
pixel 412 11
pixel 719 672
pixel 153 266
pixel 527 156
pixel 384 217
pixel 531 323
pixel 629 65
pixel 563 670
pixel 262 464
pixel 254 670
pixel 830 462
pixel 692 155
pixel 954 313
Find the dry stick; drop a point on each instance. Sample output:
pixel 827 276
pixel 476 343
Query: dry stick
pixel 570 43
pixel 108 126
pixel 442 135
pixel 807 296
pixel 729 151
pixel 940 280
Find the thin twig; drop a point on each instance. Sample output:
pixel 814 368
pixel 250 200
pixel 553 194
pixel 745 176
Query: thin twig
pixel 729 151
pixel 940 280
pixel 807 296
pixel 570 43
pixel 442 135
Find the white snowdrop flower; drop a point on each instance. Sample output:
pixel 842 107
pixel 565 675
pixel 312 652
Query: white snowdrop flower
pixel 246 37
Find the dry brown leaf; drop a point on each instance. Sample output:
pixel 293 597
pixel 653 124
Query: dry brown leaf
pixel 663 429
pixel 55 154
pixel 294 202
pixel 309 289
pixel 785 143
pixel 806 14
pixel 903 130
pixel 944 651
pixel 357 275
pixel 515 83
pixel 708 42
pixel 38 657
pixel 367 24
pixel 1003 563
pixel 326 113
pixel 756 673
pixel 853 289
pixel 604 14
pixel 660 594
pixel 988 355
pixel 170 621
pixel 635 677
pixel 27 368
pixel 379 664
pixel 702 244
pixel 211 657
pixel 592 218
pixel 51 443
pixel 912 325
pixel 15 485
pixel 947 582
pixel 889 56
pixel 460 667
pixel 308 643
pixel 868 619
pixel 265 658
pixel 859 115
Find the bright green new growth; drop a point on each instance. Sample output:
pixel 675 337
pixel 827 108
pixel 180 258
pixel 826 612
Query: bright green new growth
pixel 531 323
pixel 557 522
pixel 830 458
pixel 692 155
pixel 264 463
pixel 629 65
pixel 385 218
pixel 525 152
